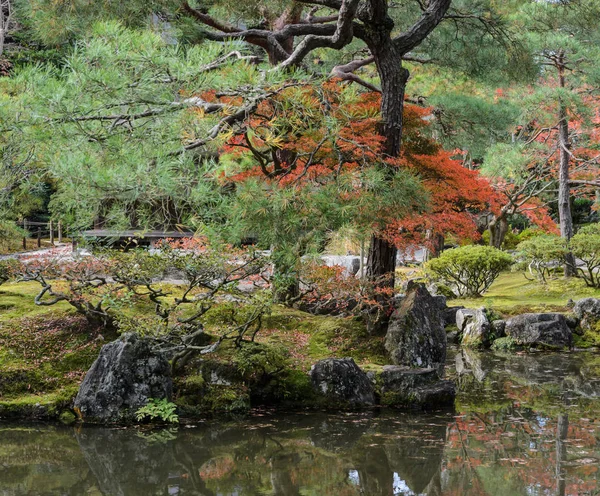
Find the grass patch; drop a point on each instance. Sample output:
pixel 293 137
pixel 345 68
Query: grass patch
pixel 513 294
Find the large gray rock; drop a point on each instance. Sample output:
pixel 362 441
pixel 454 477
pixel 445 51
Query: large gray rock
pixel 587 311
pixel 415 335
pixel 340 380
pixel 475 327
pixel 122 379
pixel 548 329
pixel 406 387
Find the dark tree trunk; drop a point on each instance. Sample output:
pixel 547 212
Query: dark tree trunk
pixel 498 228
pixel 381 261
pixel 564 191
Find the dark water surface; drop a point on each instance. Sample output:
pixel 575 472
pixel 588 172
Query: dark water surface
pixel 524 425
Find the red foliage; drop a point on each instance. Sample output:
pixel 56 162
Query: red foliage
pixel 308 135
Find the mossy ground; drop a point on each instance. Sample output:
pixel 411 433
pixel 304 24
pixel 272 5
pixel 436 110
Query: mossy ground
pixel 45 352
pixel 513 294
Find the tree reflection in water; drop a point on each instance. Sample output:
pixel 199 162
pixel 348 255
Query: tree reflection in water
pixel 525 426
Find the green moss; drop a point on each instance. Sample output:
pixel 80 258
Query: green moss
pixel 67 417
pixel 504 344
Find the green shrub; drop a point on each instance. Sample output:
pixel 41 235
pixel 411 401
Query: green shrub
pixel 161 409
pixel 539 255
pixel 471 270
pixel 504 344
pixel 585 245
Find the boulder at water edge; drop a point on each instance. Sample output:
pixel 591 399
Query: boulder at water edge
pixel 415 335
pixel 547 329
pixel 122 379
pixel 420 388
pixel 342 382
pixel 588 312
pixel 475 327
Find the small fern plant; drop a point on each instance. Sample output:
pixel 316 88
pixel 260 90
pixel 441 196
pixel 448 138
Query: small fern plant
pixel 161 409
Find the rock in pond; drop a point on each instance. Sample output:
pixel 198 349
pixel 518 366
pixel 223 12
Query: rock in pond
pixel 587 311
pixel 415 335
pixel 475 327
pixel 421 388
pixel 547 329
pixel 341 381
pixel 122 379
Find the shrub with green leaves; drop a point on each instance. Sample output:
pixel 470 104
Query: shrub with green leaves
pixel 585 245
pixel 541 255
pixel 158 409
pixel 469 270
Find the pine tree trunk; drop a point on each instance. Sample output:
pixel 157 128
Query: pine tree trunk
pixel 564 191
pixel 381 261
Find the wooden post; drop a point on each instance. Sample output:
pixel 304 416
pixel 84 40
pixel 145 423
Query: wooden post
pixel 51 229
pixel 25 237
pixel 362 258
pixel 39 237
pixel 59 232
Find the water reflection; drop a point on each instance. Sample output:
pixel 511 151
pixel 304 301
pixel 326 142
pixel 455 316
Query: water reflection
pixel 525 427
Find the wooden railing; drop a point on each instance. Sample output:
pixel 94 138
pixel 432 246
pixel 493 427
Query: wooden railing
pixel 41 230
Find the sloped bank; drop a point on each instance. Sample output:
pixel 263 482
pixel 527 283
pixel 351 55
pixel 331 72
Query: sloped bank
pixel 296 354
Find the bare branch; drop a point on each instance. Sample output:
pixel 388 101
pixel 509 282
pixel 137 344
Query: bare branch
pixel 430 18
pixel 346 73
pixel 342 36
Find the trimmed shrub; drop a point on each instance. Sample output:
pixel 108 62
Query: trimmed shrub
pixel 541 255
pixel 585 245
pixel 470 270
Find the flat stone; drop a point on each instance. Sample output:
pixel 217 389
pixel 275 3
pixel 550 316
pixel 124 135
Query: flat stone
pixel 342 381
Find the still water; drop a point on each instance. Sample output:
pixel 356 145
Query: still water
pixel 524 425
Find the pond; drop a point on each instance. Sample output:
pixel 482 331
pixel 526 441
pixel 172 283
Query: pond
pixel 524 425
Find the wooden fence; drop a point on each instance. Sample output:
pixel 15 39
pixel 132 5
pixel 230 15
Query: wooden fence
pixel 41 230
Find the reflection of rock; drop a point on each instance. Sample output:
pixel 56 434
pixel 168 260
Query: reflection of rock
pixel 402 386
pixel 126 373
pixel 125 463
pixel 587 311
pixel 416 336
pixel 549 329
pixel 540 368
pixel 417 458
pixel 341 380
pixel 475 327
pixel 335 433
pixel 471 361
